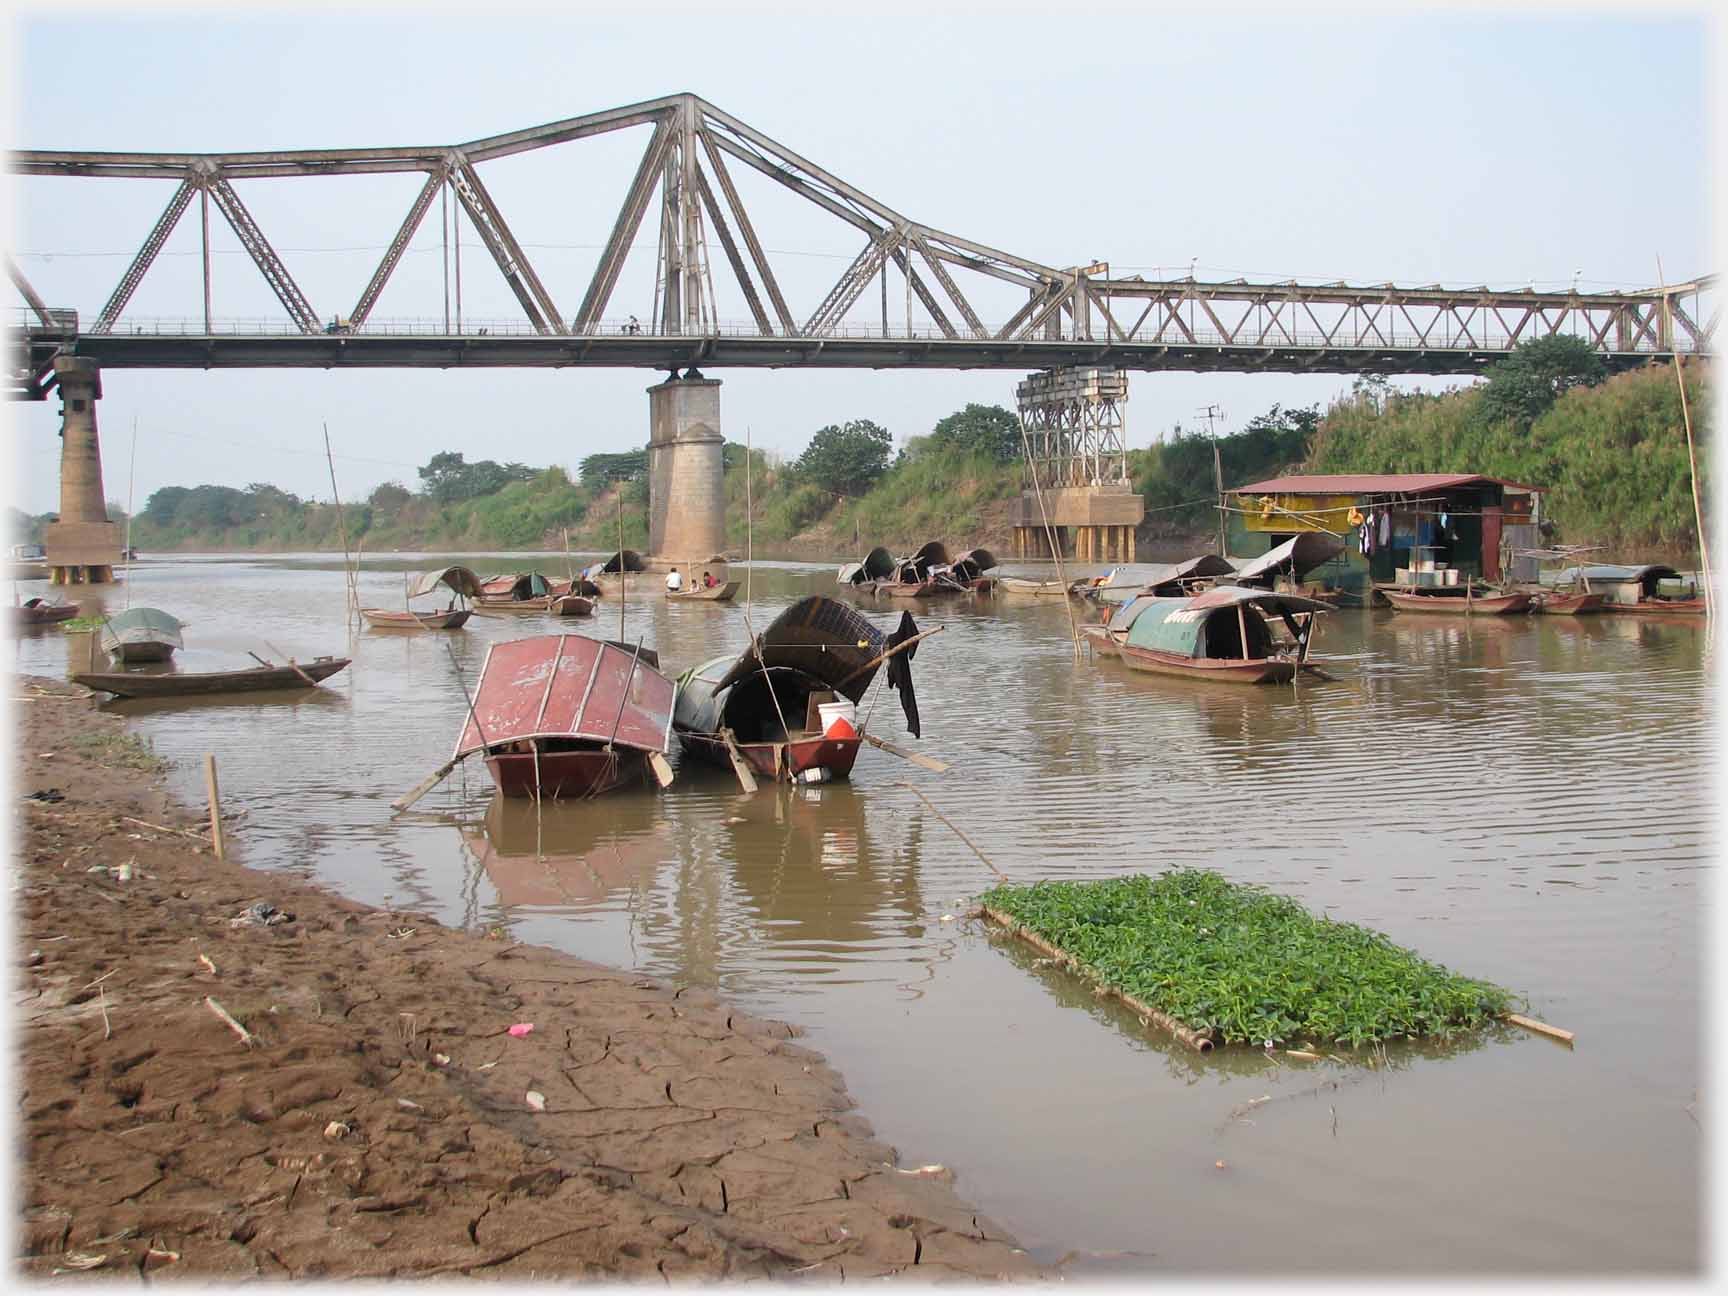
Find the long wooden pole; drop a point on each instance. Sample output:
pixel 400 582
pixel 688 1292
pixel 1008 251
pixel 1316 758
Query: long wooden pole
pixel 131 488
pixel 215 805
pixel 341 528
pixel 1691 453
pixel 623 576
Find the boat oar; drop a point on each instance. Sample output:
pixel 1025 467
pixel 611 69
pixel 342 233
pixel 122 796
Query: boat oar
pixel 917 758
pixel 432 780
pixel 662 768
pixel 310 682
pixel 740 766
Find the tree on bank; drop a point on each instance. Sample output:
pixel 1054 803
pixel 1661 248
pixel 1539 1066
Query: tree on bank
pixel 979 429
pixel 448 478
pixel 846 458
pixel 1524 386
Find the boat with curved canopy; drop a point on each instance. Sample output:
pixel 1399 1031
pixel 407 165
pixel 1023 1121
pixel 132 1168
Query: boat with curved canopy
pixel 1224 633
pixel 142 634
pixel 1160 580
pixel 567 716
pixel 765 707
pixel 462 584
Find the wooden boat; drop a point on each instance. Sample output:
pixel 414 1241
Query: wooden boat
pixel 764 708
pixel 1562 603
pixel 150 684
pixel 915 577
pixel 878 565
pixel 142 635
pixel 462 584
pixel 612 573
pixel 721 592
pixel 568 716
pixel 530 593
pixel 570 605
pixel 1020 587
pixel 967 573
pixel 1222 634
pixel 1458 600
pixel 35 611
pixel 1637 589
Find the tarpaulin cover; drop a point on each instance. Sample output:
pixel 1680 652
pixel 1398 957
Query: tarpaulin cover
pixel 822 637
pixel 1295 556
pixel 568 686
pixel 459 579
pixel 141 625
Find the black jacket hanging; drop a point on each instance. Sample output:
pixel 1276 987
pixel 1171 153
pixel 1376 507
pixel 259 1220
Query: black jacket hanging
pixel 900 671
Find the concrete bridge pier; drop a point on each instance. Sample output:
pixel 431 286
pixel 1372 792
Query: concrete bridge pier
pixel 686 470
pixel 83 545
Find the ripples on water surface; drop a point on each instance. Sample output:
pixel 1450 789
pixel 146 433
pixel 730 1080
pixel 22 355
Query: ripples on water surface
pixel 1526 799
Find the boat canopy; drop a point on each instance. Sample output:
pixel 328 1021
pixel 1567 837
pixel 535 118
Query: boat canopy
pixel 917 568
pixel 569 686
pixel 878 565
pixel 825 639
pixel 1294 558
pixel 1167 579
pixel 526 585
pixel 142 625
pixel 1646 577
pixel 458 579
pixel 1206 626
pixel 625 560
pixel 972 564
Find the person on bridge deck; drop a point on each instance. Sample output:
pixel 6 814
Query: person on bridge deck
pixel 708 581
pixel 674 581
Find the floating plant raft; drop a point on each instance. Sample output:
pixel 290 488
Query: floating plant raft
pixel 1216 962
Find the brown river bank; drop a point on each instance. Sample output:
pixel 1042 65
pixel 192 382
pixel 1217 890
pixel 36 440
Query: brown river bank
pixel 380 1119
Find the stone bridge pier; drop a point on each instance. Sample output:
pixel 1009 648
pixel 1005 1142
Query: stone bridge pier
pixel 686 484
pixel 83 545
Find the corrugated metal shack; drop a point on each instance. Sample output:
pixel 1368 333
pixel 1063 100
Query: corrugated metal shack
pixel 1397 528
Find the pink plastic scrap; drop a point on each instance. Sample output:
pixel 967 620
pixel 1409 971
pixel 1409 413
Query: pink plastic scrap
pixel 521 1028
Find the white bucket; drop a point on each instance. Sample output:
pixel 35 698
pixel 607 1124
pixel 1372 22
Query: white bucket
pixel 833 712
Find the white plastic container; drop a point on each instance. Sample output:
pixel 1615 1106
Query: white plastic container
pixel 834 712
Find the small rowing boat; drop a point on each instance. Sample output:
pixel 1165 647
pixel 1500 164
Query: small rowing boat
pixel 151 684
pixel 1458 600
pixel 462 584
pixel 35 611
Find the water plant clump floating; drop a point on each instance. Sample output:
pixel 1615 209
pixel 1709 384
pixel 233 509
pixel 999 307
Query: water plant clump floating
pixel 1236 964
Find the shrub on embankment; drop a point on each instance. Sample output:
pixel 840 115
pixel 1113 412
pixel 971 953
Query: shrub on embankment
pixel 1611 458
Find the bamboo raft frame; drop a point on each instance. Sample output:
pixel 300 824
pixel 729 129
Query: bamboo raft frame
pixel 1199 1041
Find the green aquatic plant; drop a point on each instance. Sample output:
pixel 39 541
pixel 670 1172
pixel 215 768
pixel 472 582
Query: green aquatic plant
pixel 83 623
pixel 1248 966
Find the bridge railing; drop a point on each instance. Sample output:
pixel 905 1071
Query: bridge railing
pixel 1382 338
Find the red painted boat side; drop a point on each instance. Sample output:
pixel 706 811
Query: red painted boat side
pixel 1568 604
pixel 836 755
pixel 566 774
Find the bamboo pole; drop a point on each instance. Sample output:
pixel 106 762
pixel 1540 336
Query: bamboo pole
pixel 1541 1028
pixel 341 529
pixel 623 576
pixel 1195 1040
pixel 210 786
pixel 1691 452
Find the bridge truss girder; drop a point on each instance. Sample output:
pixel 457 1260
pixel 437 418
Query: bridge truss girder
pixel 687 160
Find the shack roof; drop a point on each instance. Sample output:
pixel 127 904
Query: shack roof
pixel 1372 484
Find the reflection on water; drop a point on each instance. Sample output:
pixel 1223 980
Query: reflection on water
pixel 1524 799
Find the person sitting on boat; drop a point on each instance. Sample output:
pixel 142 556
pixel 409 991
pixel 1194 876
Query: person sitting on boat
pixel 708 581
pixel 674 581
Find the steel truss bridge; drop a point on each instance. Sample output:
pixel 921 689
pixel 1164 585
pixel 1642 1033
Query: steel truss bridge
pixel 1075 315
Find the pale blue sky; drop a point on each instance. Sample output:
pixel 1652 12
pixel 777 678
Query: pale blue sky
pixel 1504 146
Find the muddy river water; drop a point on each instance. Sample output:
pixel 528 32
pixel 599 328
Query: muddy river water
pixel 1529 800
